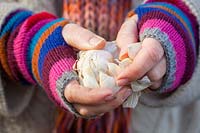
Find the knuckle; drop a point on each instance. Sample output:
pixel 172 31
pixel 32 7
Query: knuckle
pixel 71 90
pixel 84 112
pixel 156 85
pixel 68 95
pixel 154 54
pixel 154 75
pixel 153 49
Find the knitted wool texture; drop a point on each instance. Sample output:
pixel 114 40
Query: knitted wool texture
pixel 104 17
pixel 33 45
pixel 194 9
pixel 55 58
pixel 36 41
pixel 186 9
pixel 5 32
pixel 21 43
pixel 174 30
pixel 39 45
pixel 44 57
pixel 10 55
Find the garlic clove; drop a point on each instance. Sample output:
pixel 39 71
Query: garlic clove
pixel 88 71
pixel 98 69
pixel 132 100
pixel 113 69
pixel 106 81
pixel 112 48
pixel 140 85
pixel 103 60
pixel 133 49
pixel 90 82
pixel 124 63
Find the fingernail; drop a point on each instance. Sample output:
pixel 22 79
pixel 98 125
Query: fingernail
pixel 122 82
pixel 127 94
pixel 94 41
pixel 123 54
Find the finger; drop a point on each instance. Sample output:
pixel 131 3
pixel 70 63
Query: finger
pixel 158 71
pixel 127 34
pixel 88 111
pixel 76 93
pixel 156 85
pixel 150 54
pixel 81 38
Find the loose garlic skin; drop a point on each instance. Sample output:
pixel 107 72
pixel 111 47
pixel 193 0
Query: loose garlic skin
pixel 99 68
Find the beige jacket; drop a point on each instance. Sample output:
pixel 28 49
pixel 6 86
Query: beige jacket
pixel 26 109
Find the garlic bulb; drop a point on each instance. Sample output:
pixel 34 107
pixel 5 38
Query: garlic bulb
pixel 99 68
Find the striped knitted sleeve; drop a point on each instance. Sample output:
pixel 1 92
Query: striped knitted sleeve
pixel 33 51
pixel 6 109
pixel 176 29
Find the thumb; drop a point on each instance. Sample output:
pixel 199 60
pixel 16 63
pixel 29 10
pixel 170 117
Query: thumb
pixel 128 34
pixel 82 39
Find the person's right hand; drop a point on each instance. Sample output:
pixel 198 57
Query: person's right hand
pixel 149 57
pixel 90 101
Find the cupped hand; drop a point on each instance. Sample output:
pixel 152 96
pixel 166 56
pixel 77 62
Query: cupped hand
pixel 94 101
pixel 90 101
pixel 148 60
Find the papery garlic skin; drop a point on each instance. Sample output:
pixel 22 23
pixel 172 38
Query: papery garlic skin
pixel 99 68
pixel 113 69
pixel 107 81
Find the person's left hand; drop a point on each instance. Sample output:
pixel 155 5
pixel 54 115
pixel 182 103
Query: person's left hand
pixel 149 60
